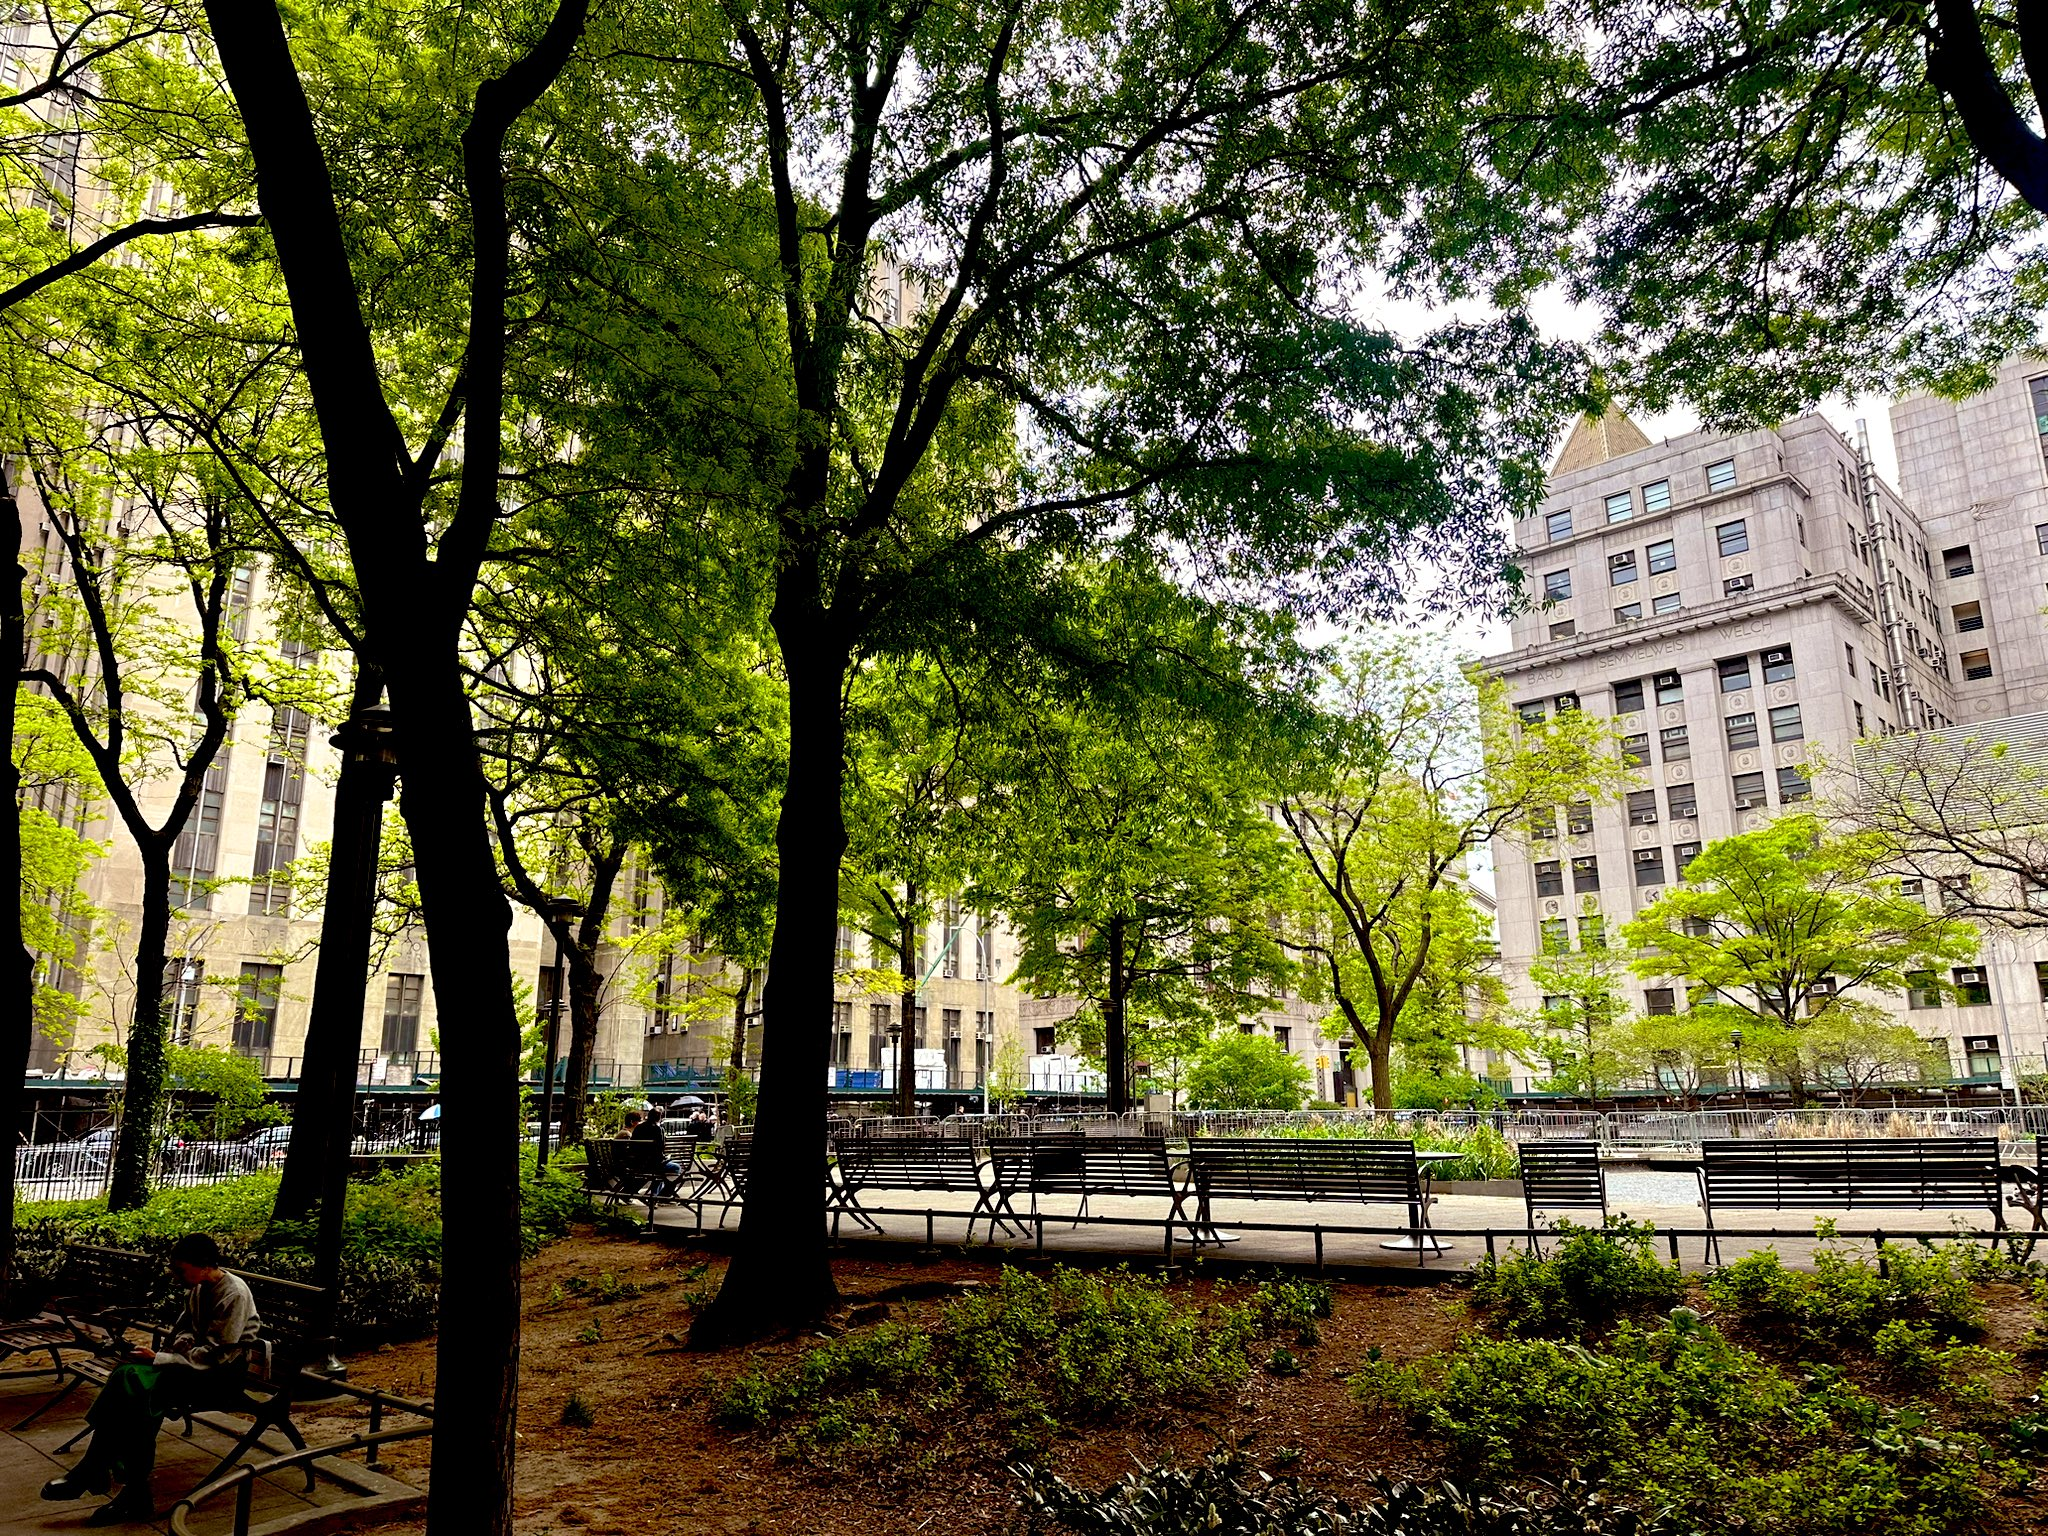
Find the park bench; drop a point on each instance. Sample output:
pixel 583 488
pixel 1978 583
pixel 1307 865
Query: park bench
pixel 100 1293
pixel 1896 1173
pixel 1296 1168
pixel 1076 1164
pixel 2029 1185
pixel 928 1164
pixel 1561 1175
pixel 294 1334
pixel 724 1173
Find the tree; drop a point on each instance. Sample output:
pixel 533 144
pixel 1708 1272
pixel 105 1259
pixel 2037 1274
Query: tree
pixel 1817 198
pixel 1775 928
pixel 1679 1051
pixel 1247 1071
pixel 1122 235
pixel 1583 1003
pixel 1857 1045
pixel 1139 873
pixel 1411 767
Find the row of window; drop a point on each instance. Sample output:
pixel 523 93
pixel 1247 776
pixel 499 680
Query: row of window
pixel 1648 864
pixel 258 991
pixel 1652 498
pixel 1660 558
pixel 1736 674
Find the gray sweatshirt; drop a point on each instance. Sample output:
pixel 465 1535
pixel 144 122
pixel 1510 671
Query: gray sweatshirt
pixel 217 1326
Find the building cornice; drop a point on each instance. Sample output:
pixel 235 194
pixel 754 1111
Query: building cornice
pixel 1827 588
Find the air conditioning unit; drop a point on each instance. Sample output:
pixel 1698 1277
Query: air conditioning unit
pixel 1969 977
pixel 1747 805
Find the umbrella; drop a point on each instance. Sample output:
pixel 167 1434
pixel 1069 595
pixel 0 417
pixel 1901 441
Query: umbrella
pixel 688 1098
pixel 431 1112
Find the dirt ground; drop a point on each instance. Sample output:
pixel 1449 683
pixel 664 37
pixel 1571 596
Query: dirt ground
pixel 651 1460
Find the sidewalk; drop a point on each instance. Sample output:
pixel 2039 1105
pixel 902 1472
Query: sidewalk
pixel 28 1459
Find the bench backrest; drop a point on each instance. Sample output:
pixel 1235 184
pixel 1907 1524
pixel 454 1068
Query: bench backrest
pixel 897 1162
pixel 1563 1173
pixel 1296 1168
pixel 294 1319
pixel 114 1277
pixel 1095 1165
pixel 1882 1172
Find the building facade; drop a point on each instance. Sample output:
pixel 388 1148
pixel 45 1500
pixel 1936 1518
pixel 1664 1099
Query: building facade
pixel 1745 607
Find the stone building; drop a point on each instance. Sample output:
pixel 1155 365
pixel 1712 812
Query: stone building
pixel 1746 605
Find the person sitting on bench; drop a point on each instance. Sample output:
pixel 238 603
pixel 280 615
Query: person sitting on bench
pixel 205 1358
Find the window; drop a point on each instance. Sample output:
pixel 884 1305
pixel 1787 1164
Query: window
pixel 842 1034
pixel 1593 931
pixel 1849 655
pixel 1733 538
pixel 1557 585
pixel 277 818
pixel 197 851
pixel 1973 987
pixel 984 948
pixel 1660 1000
pixel 2041 978
pixel 1578 818
pixel 1667 603
pixel 1958 562
pixel 1620 507
pixel 2038 388
pixel 1749 792
pixel 1734 672
pixel 1670 688
pixel 184 977
pixel 1642 807
pixel 1621 568
pixel 1628 696
pixel 1720 476
pixel 1558 525
pixel 2033 895
pixel 1542 822
pixel 1922 990
pixel 1976 665
pixel 1785 724
pixel 1566 701
pixel 1683 801
pixel 1635 750
pixel 1649 864
pixel 1954 891
pixel 1980 1055
pixel 1585 874
pixel 1628 613
pixel 1532 714
pixel 1677 744
pixel 1793 785
pixel 1549 877
pixel 1799 524
pixel 1556 935
pixel 1657 496
pixel 1741 732
pixel 1696 927
pixel 1663 557
pixel 256 1007
pixel 1735 586
pixel 1682 856
pixel 1563 630
pixel 1283 1036
pixel 402 996
pixel 1042 1040
pixel 1778 667
pixel 1860 729
pixel 2041 537
pixel 1969 618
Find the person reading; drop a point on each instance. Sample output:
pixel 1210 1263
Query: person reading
pixel 205 1359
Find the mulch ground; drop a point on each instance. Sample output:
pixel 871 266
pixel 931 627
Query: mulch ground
pixel 652 1461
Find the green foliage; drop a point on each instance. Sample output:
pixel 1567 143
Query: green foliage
pixel 238 1100
pixel 1030 1357
pixel 1241 1071
pixel 578 1414
pixel 1593 1277
pixel 1844 1298
pixel 1677 1417
pixel 55 913
pixel 1484 1153
pixel 1224 1496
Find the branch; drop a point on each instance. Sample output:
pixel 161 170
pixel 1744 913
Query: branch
pixel 85 256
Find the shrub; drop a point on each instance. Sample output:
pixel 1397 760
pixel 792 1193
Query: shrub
pixel 1679 1418
pixel 1593 1277
pixel 1846 1299
pixel 1224 1497
pixel 1028 1357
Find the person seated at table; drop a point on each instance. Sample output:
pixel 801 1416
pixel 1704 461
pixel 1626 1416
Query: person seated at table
pixel 655 1162
pixel 205 1360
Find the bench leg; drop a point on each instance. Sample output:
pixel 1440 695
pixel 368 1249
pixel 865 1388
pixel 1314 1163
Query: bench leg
pixel 71 1381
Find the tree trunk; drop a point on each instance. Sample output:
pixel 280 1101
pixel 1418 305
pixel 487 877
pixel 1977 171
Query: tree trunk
pixel 1380 1048
pixel 18 1007
pixel 779 1275
pixel 468 918
pixel 1116 1023
pixel 736 1058
pixel 585 987
pixel 142 1095
pixel 906 1045
pixel 323 1110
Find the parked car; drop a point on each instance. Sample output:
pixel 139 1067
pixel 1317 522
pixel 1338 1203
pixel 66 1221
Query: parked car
pixel 266 1149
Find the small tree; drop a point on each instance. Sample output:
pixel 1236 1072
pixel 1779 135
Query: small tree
pixel 1247 1071
pixel 1857 1045
pixel 1679 1051
pixel 1583 1002
pixel 1775 928
pixel 1413 768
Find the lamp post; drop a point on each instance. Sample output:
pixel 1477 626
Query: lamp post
pixel 1735 1039
pixel 895 1033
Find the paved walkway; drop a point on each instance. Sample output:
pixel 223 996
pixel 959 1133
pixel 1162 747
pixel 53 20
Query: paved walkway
pixel 1667 1201
pixel 28 1459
